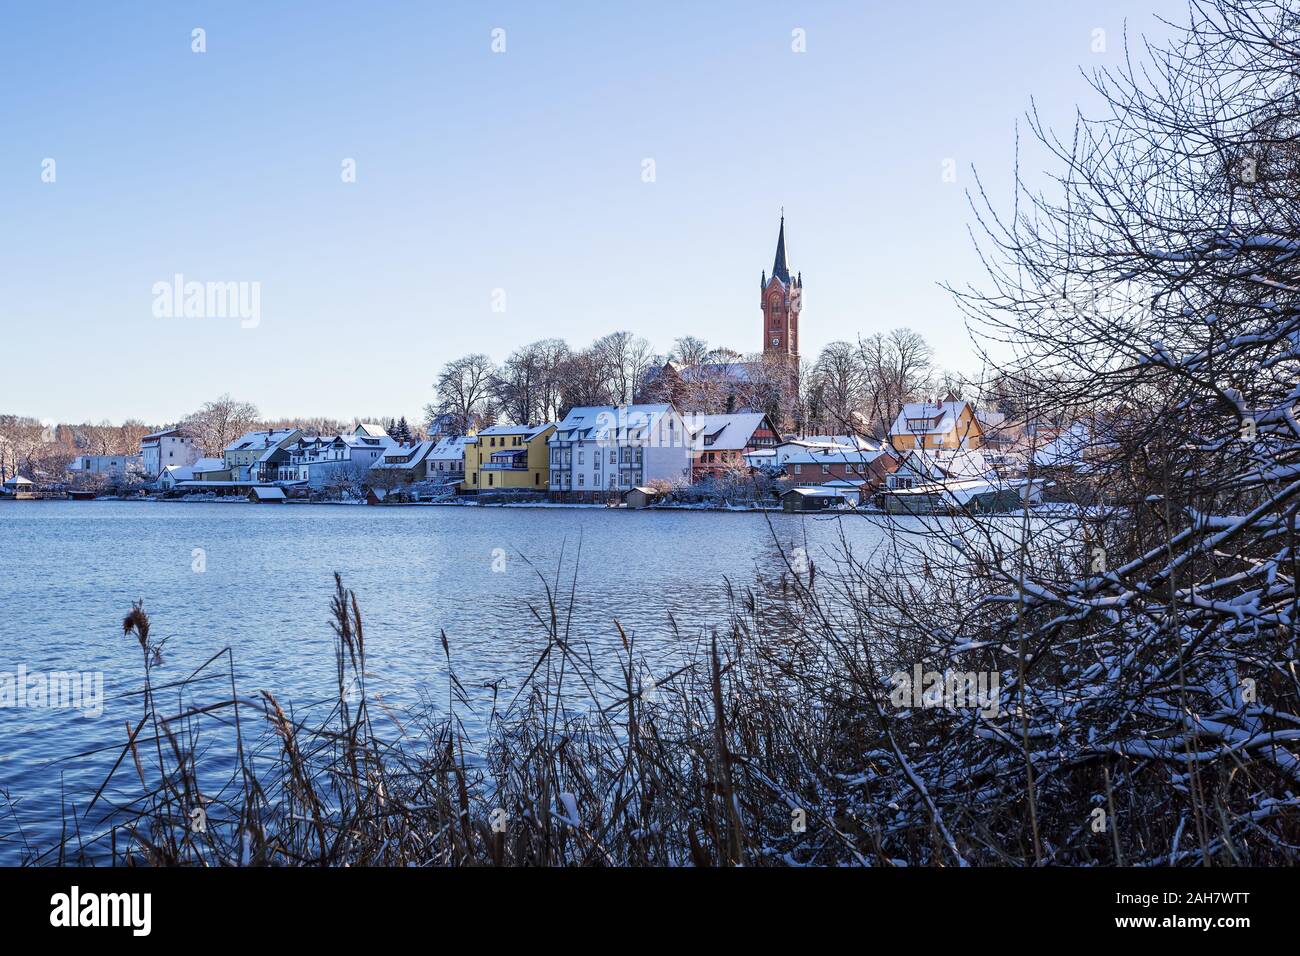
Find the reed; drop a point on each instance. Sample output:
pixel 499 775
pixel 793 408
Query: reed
pixel 773 743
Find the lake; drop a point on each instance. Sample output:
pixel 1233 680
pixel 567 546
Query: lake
pixel 259 579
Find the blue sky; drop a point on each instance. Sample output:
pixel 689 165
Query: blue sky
pixel 477 171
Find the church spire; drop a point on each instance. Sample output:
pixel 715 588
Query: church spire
pixel 779 269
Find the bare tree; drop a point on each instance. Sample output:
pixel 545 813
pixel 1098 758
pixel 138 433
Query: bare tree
pixel 839 386
pixel 220 422
pixel 520 384
pixel 625 358
pixel 898 368
pixel 689 351
pixel 464 392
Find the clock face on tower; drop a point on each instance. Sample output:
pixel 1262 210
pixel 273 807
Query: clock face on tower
pixel 776 340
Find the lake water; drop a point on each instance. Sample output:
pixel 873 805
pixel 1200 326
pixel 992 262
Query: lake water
pixel 70 570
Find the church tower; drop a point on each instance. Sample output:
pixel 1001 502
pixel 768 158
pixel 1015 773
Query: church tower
pixel 781 301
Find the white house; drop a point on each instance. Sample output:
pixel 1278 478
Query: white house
pixel 319 459
pixel 603 450
pixel 111 466
pixel 173 446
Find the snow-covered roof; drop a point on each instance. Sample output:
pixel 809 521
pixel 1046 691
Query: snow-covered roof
pixel 449 448
pixel 268 494
pixel 838 441
pixel 832 455
pixel 963 490
pixel 405 456
pixel 819 491
pixel 725 432
pixel 260 439
pixel 165 433
pixel 927 418
pixel 609 422
pixel 1067 449
pixel 948 463
pixel 528 431
pixel 371 430
pixel 18 480
pixel 367 441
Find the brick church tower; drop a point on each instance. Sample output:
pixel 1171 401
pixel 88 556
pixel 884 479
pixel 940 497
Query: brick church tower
pixel 781 301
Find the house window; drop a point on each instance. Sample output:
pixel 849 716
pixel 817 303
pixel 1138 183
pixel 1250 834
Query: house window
pixel 826 469
pixel 580 479
pixel 613 458
pixel 798 469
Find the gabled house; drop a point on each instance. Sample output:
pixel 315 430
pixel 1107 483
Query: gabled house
pixel 317 460
pixel 936 425
pixel 789 447
pixel 407 463
pixel 370 430
pixel 950 481
pixel 918 468
pixel 604 451
pixel 507 457
pixel 446 462
pixel 256 456
pixel 723 442
pixel 863 469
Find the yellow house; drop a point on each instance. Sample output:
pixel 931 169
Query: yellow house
pixel 509 457
pixel 936 425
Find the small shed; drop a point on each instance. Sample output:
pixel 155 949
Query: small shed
pixel 263 495
pixel 817 498
pixel 642 497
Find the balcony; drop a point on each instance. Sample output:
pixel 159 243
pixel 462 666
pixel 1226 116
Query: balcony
pixel 508 461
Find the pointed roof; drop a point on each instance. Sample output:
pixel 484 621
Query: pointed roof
pixel 779 269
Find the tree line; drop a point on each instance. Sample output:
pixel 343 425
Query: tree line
pixel 39 450
pixel 859 386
